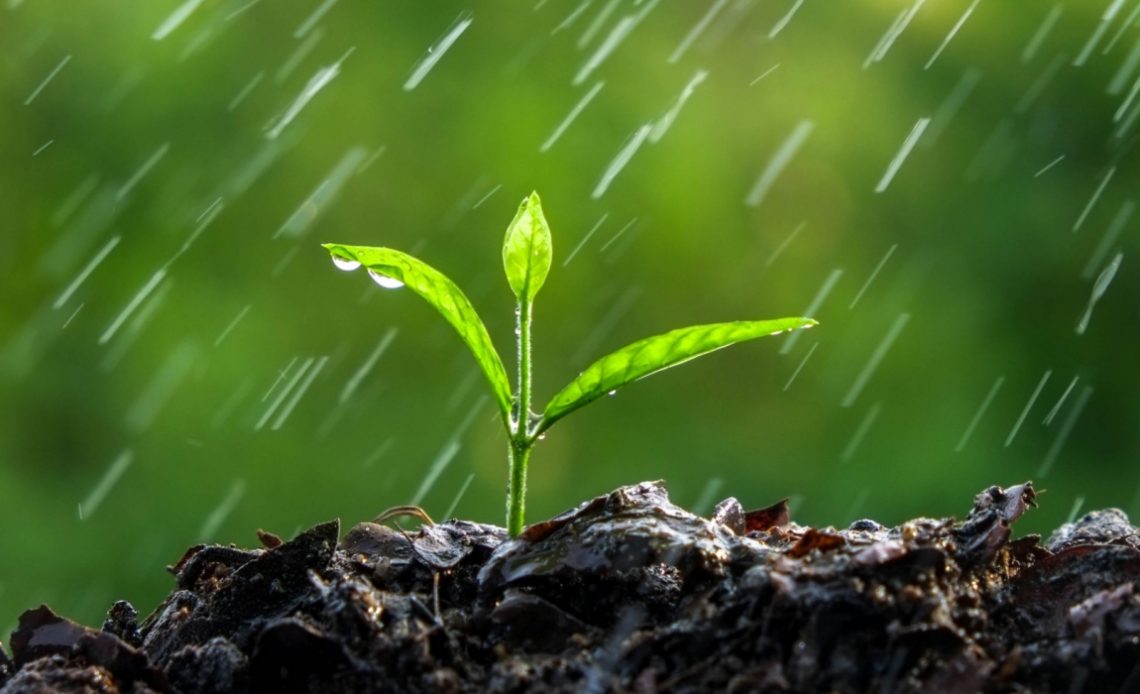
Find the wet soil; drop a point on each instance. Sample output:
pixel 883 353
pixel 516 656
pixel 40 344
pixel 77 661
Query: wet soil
pixel 627 593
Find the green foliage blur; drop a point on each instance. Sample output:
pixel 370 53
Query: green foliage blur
pixel 213 373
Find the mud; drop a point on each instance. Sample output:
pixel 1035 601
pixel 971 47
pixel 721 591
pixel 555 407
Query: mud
pixel 627 593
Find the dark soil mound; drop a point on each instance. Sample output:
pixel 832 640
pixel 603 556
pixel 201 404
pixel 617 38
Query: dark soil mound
pixel 627 593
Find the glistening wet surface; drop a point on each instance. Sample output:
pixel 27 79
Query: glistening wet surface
pixel 627 592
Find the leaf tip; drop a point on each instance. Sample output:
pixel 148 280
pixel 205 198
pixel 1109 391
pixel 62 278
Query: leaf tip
pixel 527 249
pixel 343 257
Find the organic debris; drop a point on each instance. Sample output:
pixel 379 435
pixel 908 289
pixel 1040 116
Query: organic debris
pixel 628 592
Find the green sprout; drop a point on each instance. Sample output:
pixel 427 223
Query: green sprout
pixel 526 258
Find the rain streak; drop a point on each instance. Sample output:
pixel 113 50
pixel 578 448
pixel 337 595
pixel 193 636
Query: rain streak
pixel 949 188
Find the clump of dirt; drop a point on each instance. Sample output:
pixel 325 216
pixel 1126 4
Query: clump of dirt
pixel 629 593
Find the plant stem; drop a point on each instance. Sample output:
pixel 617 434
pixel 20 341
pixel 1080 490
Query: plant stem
pixel 521 441
pixel 516 496
pixel 523 331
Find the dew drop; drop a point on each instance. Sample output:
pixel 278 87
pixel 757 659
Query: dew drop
pixel 385 281
pixel 612 393
pixel 346 264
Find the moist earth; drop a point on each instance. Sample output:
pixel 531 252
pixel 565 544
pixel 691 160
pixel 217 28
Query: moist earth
pixel 626 593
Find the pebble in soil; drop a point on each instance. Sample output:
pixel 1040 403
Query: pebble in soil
pixel 627 592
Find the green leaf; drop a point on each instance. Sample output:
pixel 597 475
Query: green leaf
pixel 527 250
pixel 385 265
pixel 657 353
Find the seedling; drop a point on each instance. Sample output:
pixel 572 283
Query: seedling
pixel 526 259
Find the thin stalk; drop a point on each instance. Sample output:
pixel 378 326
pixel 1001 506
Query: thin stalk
pixel 516 496
pixel 521 441
pixel 525 311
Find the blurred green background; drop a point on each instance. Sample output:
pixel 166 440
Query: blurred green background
pixel 179 360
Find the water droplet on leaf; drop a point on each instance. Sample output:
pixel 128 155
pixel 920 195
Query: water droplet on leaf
pixel 346 264
pixel 385 281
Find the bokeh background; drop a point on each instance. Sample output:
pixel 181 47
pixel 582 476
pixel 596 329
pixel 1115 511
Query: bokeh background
pixel 180 362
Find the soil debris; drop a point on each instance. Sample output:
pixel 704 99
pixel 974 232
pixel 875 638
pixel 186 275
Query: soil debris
pixel 627 593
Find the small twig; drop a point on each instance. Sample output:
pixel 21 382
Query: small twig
pixel 435 596
pixel 422 610
pixel 399 511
